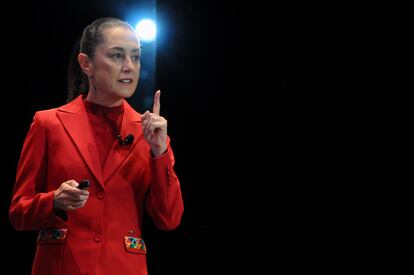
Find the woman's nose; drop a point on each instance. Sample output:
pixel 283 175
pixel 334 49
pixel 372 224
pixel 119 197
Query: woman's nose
pixel 128 64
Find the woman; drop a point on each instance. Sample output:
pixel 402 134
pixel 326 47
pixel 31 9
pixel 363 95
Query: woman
pixel 99 139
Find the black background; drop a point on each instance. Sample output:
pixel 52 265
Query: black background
pixel 284 125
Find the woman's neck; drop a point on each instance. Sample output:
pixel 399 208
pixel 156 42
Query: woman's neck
pixel 101 100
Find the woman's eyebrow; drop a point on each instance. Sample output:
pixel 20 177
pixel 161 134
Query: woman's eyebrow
pixel 122 49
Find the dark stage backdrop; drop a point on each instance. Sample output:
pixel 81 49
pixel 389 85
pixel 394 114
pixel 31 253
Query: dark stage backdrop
pixel 278 133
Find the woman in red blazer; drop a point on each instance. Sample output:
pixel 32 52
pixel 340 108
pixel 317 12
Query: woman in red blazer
pixel 125 156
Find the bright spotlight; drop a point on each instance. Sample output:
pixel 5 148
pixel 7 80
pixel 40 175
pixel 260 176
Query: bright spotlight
pixel 146 30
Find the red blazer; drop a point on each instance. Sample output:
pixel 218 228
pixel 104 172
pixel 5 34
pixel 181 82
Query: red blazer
pixel 103 237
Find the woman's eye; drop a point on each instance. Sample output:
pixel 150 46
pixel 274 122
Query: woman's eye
pixel 135 58
pixel 116 55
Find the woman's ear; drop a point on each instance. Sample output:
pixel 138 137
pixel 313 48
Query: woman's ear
pixel 85 64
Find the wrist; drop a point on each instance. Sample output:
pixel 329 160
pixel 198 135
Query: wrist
pixel 158 150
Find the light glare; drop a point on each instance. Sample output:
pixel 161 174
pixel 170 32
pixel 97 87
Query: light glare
pixel 146 30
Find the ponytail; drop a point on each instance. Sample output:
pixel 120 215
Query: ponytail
pixel 76 78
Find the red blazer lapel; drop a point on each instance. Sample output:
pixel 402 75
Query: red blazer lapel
pixel 75 120
pixel 131 125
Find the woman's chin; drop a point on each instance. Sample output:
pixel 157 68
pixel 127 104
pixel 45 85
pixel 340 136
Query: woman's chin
pixel 125 93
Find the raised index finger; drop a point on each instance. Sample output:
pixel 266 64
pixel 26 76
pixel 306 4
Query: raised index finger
pixel 157 104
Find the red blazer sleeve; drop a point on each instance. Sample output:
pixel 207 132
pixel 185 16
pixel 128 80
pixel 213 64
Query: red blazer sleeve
pixel 164 202
pixel 32 206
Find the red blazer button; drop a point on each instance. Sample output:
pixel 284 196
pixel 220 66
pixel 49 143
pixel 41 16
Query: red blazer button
pixel 98 238
pixel 100 195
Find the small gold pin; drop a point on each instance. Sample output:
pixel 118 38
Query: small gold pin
pixel 131 231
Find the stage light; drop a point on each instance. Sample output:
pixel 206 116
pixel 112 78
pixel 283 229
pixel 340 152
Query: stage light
pixel 147 30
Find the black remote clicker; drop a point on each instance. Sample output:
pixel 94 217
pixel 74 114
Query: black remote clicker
pixel 83 184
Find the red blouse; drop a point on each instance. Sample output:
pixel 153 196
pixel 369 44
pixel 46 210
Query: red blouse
pixel 106 124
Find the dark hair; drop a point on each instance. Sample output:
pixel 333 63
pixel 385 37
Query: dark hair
pixel 92 36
